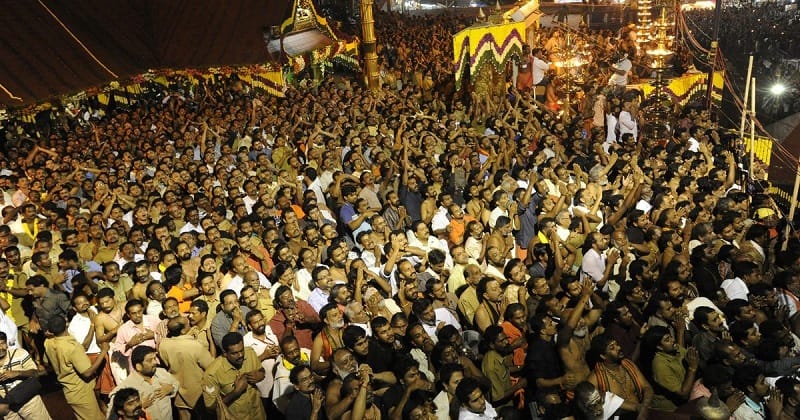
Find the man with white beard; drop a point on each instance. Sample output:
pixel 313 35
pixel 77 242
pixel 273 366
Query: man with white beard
pixel 328 340
pixel 343 364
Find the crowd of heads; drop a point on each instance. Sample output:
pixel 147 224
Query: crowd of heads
pixel 402 253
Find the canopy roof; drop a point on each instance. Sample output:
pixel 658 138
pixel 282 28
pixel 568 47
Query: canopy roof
pixel 54 47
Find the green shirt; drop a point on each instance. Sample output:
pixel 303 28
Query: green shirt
pixel 494 367
pixel 668 371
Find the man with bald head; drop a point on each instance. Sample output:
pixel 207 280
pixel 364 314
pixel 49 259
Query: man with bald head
pixel 234 280
pixel 265 305
pixel 185 358
pixel 468 301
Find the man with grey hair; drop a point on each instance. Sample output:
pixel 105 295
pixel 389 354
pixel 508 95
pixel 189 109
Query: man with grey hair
pixel 355 314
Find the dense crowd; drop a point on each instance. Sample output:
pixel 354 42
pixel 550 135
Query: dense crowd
pixel 768 31
pixel 402 254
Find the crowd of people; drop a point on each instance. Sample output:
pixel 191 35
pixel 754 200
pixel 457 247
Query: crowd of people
pixel 348 254
pixel 769 32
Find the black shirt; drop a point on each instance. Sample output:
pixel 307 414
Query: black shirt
pixel 299 407
pixel 380 357
pixel 542 361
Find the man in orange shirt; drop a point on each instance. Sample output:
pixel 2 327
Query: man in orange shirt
pixel 458 224
pixel 256 256
pixel 178 288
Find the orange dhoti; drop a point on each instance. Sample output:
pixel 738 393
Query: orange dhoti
pixel 105 381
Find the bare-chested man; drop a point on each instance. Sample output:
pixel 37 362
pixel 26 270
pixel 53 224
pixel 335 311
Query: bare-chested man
pixel 573 338
pixel 620 376
pixel 141 279
pixel 106 324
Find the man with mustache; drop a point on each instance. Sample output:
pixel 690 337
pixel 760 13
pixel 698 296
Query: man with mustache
pixel 15 367
pixel 614 373
pixel 291 356
pixel 261 339
pixel 231 380
pixel 307 400
pixel 343 364
pixel 496 370
pixel 573 338
pixel 156 384
pixel 128 405
pixel 329 339
pixel 230 318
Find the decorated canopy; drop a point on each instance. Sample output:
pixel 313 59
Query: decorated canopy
pixel 485 44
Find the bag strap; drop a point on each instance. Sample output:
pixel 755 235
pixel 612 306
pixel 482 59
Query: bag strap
pixel 10 358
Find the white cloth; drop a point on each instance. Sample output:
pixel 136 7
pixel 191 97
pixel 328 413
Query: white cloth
pixel 620 79
pixel 188 227
pixel 594 265
pixel 735 288
pixel 489 413
pixel 237 282
pixel 440 219
pixel 628 125
pixel 318 298
pixel 265 386
pixel 432 243
pixel 8 326
pixel 611 128
pixel 694 145
pixel 540 67
pixel 496 212
pixel 79 327
pixel 706 302
pixel 442 403
pixel 442 315
pixel 611 404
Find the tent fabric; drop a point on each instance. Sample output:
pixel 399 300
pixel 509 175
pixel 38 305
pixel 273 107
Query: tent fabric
pixel 54 47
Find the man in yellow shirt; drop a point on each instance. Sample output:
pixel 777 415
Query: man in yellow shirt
pixel 231 380
pixel 74 370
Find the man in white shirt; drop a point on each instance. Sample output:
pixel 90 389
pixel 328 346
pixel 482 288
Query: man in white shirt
pixel 266 344
pixel 596 265
pixel 291 355
pixel 82 324
pixel 747 274
pixel 473 403
pixel 619 79
pixel 627 123
pixel 540 67
pixel 433 319
pixel 320 296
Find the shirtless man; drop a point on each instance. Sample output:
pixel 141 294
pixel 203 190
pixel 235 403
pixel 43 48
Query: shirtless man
pixel 141 279
pixel 573 338
pixel 106 323
pixel 110 317
pixel 613 373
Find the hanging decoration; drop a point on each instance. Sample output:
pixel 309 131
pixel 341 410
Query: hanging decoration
pixel 481 45
pixel 684 89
